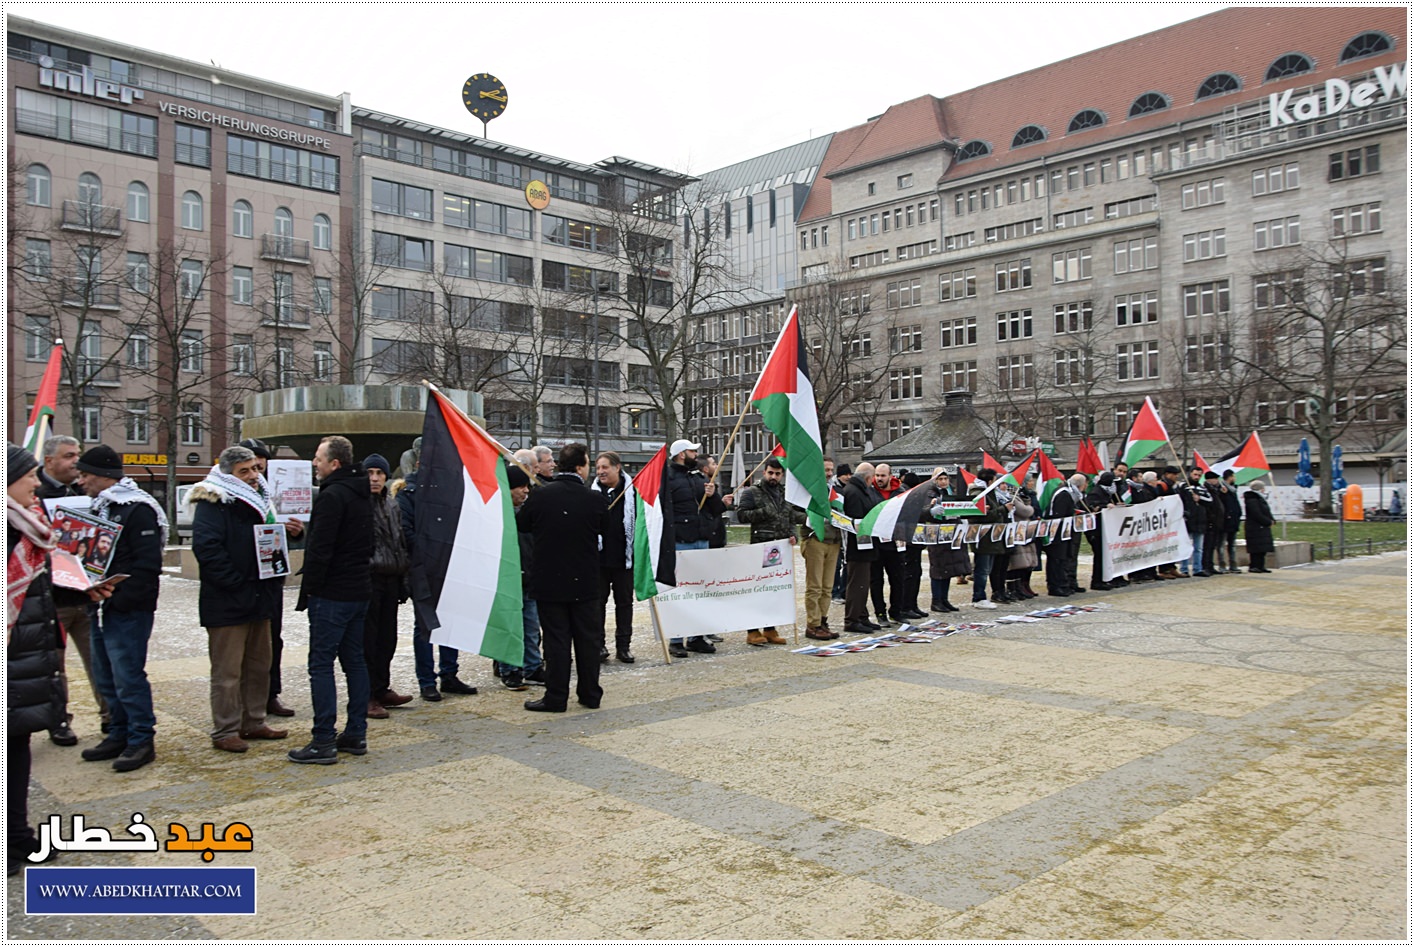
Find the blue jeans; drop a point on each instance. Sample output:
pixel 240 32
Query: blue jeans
pixel 700 544
pixel 422 657
pixel 530 623
pixel 981 571
pixel 1195 562
pixel 336 629
pixel 118 649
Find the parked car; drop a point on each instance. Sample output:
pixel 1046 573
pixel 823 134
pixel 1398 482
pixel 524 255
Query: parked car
pixel 184 512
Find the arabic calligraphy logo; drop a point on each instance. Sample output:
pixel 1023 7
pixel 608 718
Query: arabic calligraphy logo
pixel 236 837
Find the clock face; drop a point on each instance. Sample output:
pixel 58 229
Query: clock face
pixel 484 96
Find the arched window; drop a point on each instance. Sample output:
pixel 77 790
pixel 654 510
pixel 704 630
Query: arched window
pixel 242 220
pixel 1292 64
pixel 1028 135
pixel 323 232
pixel 38 188
pixel 284 222
pixel 973 149
pixel 1219 83
pixel 1148 102
pixel 193 215
pixel 138 203
pixel 1085 118
pixel 1366 44
pixel 90 189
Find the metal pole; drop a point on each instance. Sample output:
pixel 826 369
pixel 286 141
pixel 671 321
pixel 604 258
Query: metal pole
pixel 594 418
pixel 1340 518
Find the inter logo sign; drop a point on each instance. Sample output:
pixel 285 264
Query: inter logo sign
pixel 84 83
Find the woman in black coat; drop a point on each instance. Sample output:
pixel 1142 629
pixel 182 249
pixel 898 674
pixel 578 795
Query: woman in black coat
pixel 946 561
pixel 1259 528
pixel 34 666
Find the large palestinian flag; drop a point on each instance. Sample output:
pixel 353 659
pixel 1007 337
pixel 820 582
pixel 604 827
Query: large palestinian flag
pixel 786 400
pixel 1247 462
pixel 654 553
pixel 45 403
pixel 1146 434
pixel 466 587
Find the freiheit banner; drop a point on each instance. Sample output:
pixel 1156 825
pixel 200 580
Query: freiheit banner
pixel 1144 535
pixel 730 589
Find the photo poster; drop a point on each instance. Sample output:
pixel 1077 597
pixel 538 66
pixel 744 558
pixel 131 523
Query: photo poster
pixel 1011 537
pixel 70 573
pixel 90 539
pixel 291 485
pixel 959 536
pixel 272 550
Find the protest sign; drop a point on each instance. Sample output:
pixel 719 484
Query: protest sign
pixel 730 589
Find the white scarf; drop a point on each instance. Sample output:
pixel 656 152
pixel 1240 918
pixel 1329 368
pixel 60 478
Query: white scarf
pixel 630 511
pixel 127 491
pixel 234 488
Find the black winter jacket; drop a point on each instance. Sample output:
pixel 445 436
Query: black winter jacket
pixel 339 540
pixel 223 540
pixel 764 506
pixel 34 681
pixel 685 491
pixel 138 555
pixel 1259 523
pixel 1232 509
pixel 859 498
pixel 565 519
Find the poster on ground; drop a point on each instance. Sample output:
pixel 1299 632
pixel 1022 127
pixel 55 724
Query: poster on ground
pixel 730 589
pixel 1146 534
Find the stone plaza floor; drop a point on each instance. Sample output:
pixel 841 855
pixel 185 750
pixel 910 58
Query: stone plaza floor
pixel 1219 758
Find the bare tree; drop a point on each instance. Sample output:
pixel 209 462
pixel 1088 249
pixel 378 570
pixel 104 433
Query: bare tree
pixel 358 274
pixel 1327 339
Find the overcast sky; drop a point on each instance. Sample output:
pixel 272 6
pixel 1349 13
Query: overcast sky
pixel 691 87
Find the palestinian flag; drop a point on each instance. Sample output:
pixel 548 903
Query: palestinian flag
pixel 818 522
pixel 1247 462
pixel 468 590
pixel 786 400
pixel 654 555
pixel 45 403
pixel 1199 462
pixel 1050 481
pixel 1088 461
pixel 967 481
pixel 896 515
pixel 1146 434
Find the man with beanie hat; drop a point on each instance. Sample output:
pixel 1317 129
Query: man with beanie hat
pixel 389 568
pixel 124 626
pixel 294 528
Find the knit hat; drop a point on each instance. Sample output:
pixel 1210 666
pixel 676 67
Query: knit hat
pixel 18 462
pixel 377 462
pixel 516 477
pixel 258 447
pixel 1211 475
pixel 103 461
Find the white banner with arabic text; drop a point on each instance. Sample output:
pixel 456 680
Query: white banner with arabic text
pixel 730 589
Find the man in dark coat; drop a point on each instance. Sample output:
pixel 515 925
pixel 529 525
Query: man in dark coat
pixel 771 517
pixel 1232 519
pixel 1259 527
pixel 119 638
pixel 334 588
pixel 566 519
pixel 1103 493
pixel 860 552
pixel 57 478
pixel 235 603
pixel 991 554
pixel 1214 515
pixel 616 554
pixel 945 561
pixel 294 529
pixel 1062 555
pixel 696 508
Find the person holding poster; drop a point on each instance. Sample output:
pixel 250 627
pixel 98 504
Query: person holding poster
pixel 235 603
pixel 294 529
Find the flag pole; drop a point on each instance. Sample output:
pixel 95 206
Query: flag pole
pixel 726 450
pixel 505 451
pixel 658 629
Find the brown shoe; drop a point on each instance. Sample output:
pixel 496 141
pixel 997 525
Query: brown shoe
pixel 376 710
pixel 231 744
pixel 391 698
pixel 774 637
pixel 820 633
pixel 263 732
pixel 755 639
pixel 273 706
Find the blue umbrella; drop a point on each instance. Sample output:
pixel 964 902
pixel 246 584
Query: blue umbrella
pixel 1337 470
pixel 1303 465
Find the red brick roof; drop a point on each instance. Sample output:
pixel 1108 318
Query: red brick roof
pixel 1174 61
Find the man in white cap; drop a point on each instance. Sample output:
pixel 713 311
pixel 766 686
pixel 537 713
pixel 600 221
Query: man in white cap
pixel 695 507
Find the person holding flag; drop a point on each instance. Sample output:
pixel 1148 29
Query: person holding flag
pixel 616 553
pixel 822 555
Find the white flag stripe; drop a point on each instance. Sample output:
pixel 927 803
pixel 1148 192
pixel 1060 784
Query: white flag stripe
pixel 469 588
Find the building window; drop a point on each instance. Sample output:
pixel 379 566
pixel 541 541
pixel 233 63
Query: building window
pixel 1292 64
pixel 1020 228
pixel 271 162
pixel 38 186
pixel 905 181
pixel 1085 118
pixel 1072 367
pixel 39 259
pixel 190 278
pixel 1028 135
pixel 38 340
pixel 915 250
pixel 905 384
pixel 191 350
pixel 1202 193
pixel 1208 352
pixel 1137 308
pixel 139 273
pixel 1141 253
pixel 973 149
pixel 960 241
pixel 1074 317
pixel 323 232
pixel 575 279
pixel 565 232
pixel 1070 265
pixel 1148 102
pixel 958 376
pixel 397 304
pixel 193 146
pixel 286 373
pixel 1014 325
pixel 959 332
pixel 190 430
pixel 242 220
pixel 1015 373
pixel 865 260
pixel 905 339
pixel 1136 360
pixel 1219 83
pixel 242 286
pixel 905 293
pixel 1204 245
pixel 1013 275
pixel 139 348
pixel 323 295
pixel 1355 220
pixel 242 355
pixel 1274 234
pixel 1073 218
pixel 193 214
pixel 1359 279
pixel 1206 299
pixel 137 423
pixel 323 361
pixel 139 203
pixel 391 249
pixel 1366 44
pixel 90 423
pixel 1355 163
pixel 1277 178
pixel 1276 290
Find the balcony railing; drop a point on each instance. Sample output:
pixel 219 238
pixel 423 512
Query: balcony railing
pixel 284 315
pixel 92 371
pixel 92 218
pixel 274 246
pixel 90 295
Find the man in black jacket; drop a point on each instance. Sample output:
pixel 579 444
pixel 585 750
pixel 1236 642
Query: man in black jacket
pixel 565 519
pixel 235 604
pixel 772 517
pixel 335 589
pixel 119 637
pixel 616 553
pixel 1232 520
pixel 859 498
pixel 696 508
pixel 57 478
pixel 1062 554
pixel 294 529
